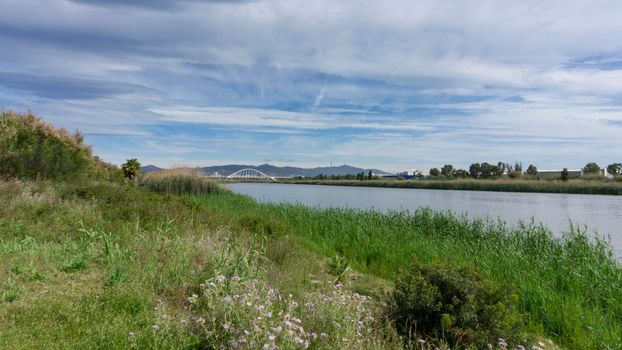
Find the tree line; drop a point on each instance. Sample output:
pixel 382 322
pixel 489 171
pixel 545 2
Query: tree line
pixel 491 171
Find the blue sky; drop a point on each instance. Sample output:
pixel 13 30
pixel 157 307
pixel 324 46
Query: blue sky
pixel 389 84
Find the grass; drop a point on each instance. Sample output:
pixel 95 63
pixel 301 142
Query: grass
pixel 179 181
pixel 499 185
pixel 74 254
pixel 99 264
pixel 570 289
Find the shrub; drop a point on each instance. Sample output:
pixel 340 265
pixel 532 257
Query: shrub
pixel 31 148
pixel 455 304
pixel 179 181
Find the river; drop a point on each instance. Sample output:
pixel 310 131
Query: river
pixel 599 213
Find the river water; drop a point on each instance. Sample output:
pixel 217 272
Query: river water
pixel 600 214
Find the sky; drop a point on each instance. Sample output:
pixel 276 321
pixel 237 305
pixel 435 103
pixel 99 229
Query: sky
pixel 389 84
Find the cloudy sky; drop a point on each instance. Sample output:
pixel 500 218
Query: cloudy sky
pixel 387 84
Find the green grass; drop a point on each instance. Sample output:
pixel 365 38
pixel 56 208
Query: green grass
pixel 498 185
pixel 570 289
pixel 100 265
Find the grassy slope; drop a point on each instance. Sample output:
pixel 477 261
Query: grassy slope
pixel 506 185
pixel 570 289
pixel 84 264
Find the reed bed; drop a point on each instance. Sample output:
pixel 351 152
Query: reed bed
pixel 501 185
pixel 180 181
pixel 569 288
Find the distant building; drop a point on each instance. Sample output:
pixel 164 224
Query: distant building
pixel 605 173
pixel 556 174
pixel 408 174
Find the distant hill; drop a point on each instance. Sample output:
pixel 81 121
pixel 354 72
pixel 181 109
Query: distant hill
pixel 278 171
pixel 149 168
pixel 289 171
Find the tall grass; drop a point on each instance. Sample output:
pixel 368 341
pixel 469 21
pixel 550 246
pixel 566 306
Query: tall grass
pixel 501 185
pixel 570 288
pixel 179 181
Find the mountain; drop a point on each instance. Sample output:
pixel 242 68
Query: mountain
pixel 149 168
pixel 289 171
pixel 279 171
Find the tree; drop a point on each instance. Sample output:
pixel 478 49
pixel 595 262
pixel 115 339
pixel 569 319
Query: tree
pixel 447 170
pixel 131 168
pixel 565 174
pixel 475 170
pixel 500 169
pixel 515 170
pixel 461 173
pixel 614 169
pixel 488 170
pixel 591 168
pixel 370 175
pixel 434 172
pixel 531 170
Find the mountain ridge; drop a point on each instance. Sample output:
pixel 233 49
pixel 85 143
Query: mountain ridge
pixel 274 170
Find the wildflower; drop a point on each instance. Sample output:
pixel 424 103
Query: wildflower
pixel 184 322
pixel 155 327
pixel 323 335
pixel 228 300
pixel 226 326
pixel 271 337
pixel 519 347
pixel 131 335
pixel 220 278
pixel 421 341
pixel 200 320
pixel 235 278
pixel 193 299
pixel 502 343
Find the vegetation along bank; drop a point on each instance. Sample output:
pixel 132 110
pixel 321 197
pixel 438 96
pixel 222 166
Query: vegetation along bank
pixel 498 185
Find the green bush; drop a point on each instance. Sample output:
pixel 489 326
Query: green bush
pixel 31 148
pixel 455 304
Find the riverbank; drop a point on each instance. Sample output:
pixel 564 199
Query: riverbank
pixel 77 253
pixel 538 186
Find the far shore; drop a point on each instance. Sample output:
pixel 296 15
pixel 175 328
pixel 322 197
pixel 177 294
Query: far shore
pixel 496 185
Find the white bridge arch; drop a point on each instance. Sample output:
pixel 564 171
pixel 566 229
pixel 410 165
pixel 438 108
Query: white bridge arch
pixel 250 174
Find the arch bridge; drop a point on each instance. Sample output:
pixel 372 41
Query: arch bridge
pixel 250 174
